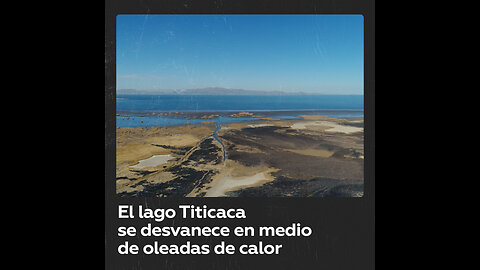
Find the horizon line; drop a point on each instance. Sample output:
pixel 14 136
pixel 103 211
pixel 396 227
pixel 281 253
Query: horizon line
pixel 253 92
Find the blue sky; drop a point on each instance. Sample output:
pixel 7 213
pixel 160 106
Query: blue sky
pixel 309 53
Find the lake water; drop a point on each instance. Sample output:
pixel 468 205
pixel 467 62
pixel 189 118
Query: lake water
pixel 167 110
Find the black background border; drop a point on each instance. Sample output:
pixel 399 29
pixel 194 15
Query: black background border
pixel 344 228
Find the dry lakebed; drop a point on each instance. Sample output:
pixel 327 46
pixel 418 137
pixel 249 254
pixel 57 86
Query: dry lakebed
pixel 314 156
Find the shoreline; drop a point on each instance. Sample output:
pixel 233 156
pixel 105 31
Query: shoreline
pixel 147 119
pixel 234 111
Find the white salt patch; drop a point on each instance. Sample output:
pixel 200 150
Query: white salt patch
pixel 331 126
pixel 152 161
pixel 228 183
pixel 260 125
pixel 300 125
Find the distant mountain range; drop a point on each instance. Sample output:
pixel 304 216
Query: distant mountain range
pixel 208 91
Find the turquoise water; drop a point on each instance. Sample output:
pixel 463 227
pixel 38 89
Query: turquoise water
pixel 215 136
pixel 157 110
pixel 212 103
pixel 163 121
